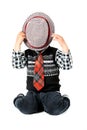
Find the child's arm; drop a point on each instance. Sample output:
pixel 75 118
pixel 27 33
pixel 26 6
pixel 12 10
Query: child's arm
pixel 61 41
pixel 63 58
pixel 18 57
pixel 19 40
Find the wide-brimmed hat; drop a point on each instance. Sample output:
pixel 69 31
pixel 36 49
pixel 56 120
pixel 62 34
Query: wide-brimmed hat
pixel 38 28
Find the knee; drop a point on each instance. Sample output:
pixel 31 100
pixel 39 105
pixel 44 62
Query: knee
pixel 25 105
pixel 21 104
pixel 18 100
pixel 55 104
pixel 59 107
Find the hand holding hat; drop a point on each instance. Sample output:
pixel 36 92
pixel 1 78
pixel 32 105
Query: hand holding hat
pixel 61 41
pixel 36 32
pixel 20 37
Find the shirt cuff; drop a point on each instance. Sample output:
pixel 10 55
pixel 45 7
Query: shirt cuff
pixel 61 53
pixel 18 54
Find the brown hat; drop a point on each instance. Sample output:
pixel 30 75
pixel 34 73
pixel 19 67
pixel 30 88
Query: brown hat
pixel 38 28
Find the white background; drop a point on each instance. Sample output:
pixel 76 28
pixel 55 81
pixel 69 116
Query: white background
pixel 70 18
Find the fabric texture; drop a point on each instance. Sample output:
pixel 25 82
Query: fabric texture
pixel 63 60
pixel 51 102
pixel 52 63
pixel 38 81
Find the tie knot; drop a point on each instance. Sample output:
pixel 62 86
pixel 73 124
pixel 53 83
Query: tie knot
pixel 40 58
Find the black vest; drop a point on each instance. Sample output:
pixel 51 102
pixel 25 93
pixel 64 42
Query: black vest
pixel 51 69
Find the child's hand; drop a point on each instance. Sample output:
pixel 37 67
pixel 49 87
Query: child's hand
pixel 61 41
pixel 58 38
pixel 20 37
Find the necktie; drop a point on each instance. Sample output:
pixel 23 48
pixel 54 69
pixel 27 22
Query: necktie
pixel 38 81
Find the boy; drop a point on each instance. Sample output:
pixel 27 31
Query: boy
pixel 43 86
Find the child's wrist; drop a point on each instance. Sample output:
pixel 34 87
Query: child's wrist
pixel 17 47
pixel 65 50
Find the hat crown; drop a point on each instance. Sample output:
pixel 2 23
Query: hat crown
pixel 38 28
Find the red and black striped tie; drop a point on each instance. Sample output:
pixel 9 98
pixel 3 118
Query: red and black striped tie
pixel 38 81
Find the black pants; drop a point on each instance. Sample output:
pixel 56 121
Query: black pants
pixel 50 102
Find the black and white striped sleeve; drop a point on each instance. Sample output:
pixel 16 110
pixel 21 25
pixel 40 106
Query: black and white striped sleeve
pixel 18 59
pixel 63 60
